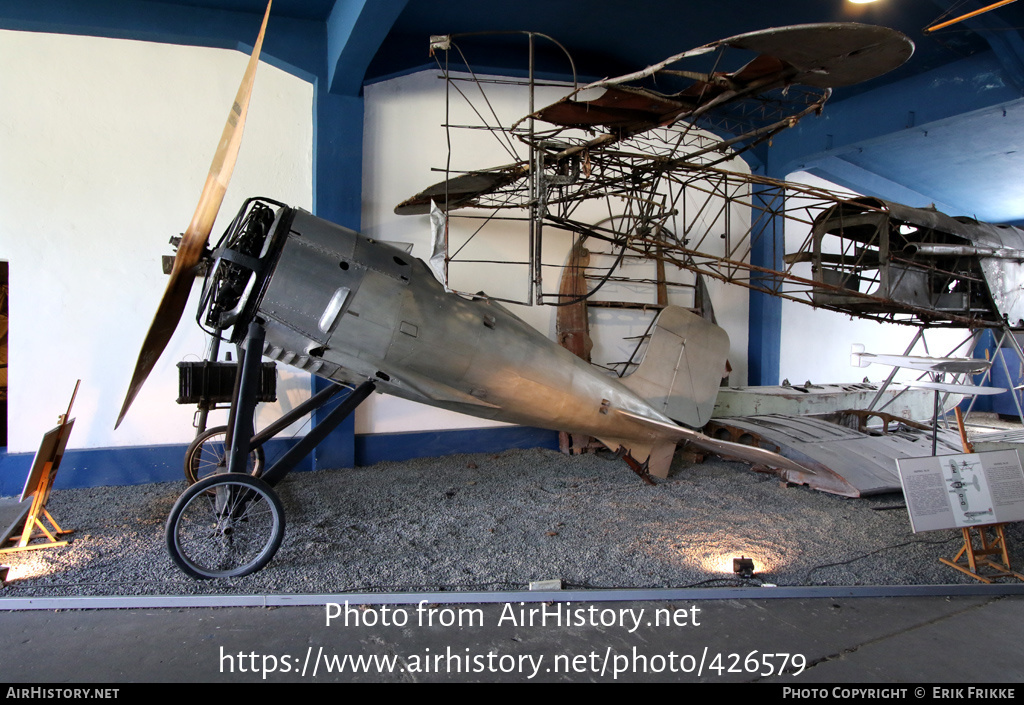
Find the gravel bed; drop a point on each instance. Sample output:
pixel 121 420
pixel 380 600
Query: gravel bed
pixel 496 522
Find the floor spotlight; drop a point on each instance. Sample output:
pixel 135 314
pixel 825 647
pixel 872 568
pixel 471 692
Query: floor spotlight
pixel 743 567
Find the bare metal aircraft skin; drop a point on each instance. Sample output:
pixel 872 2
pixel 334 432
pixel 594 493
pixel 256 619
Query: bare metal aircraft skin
pixel 344 307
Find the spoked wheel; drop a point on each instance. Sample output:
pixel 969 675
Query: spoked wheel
pixel 225 526
pixel 207 456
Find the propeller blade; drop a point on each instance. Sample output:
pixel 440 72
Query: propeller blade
pixel 193 241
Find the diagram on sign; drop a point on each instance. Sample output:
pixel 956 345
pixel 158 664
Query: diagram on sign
pixel 962 491
pixel 971 500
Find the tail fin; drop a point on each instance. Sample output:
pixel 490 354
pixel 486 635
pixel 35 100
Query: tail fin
pixel 682 368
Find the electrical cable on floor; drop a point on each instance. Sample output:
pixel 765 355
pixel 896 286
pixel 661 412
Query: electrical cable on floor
pixel 807 576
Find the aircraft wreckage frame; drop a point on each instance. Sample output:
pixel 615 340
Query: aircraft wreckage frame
pixel 668 196
pixel 669 199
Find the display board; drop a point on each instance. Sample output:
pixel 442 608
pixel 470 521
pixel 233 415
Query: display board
pixel 47 461
pixel 961 491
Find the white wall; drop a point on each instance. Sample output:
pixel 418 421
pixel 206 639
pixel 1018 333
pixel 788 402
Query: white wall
pixel 104 148
pixel 403 141
pixel 816 343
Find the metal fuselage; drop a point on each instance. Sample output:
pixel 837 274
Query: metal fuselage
pixel 342 306
pixel 885 258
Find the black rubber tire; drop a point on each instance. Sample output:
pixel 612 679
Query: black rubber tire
pixel 225 526
pixel 205 456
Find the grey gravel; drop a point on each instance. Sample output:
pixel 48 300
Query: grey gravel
pixel 496 522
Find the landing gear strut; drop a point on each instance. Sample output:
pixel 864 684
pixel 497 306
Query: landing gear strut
pixel 231 522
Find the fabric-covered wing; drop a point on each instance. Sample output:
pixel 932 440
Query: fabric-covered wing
pixel 462 191
pixel 818 55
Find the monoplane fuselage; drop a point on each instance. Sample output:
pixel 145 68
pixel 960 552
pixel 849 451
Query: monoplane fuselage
pixel 350 309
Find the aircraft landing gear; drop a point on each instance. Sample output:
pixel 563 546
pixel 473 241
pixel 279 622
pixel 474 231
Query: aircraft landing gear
pixel 225 526
pixel 207 455
pixel 231 523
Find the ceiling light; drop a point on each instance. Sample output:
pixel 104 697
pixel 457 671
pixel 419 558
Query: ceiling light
pixel 862 2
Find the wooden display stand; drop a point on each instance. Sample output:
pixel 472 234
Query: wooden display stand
pixel 970 559
pixel 38 485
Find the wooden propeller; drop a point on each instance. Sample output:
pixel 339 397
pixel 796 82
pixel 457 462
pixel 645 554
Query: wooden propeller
pixel 194 240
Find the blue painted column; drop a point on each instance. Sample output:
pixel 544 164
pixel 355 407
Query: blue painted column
pixel 765 310
pixel 984 350
pixel 337 196
pixel 338 158
pixel 354 31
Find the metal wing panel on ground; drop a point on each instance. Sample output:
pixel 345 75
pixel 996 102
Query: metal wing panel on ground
pixel 834 459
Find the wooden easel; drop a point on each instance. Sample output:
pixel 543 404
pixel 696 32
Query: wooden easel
pixel 38 485
pixel 969 559
pixel 991 545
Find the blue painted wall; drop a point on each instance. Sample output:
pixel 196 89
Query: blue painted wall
pixel 141 465
pixel 378 447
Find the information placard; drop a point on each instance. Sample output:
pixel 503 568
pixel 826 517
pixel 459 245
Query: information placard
pixel 956 491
